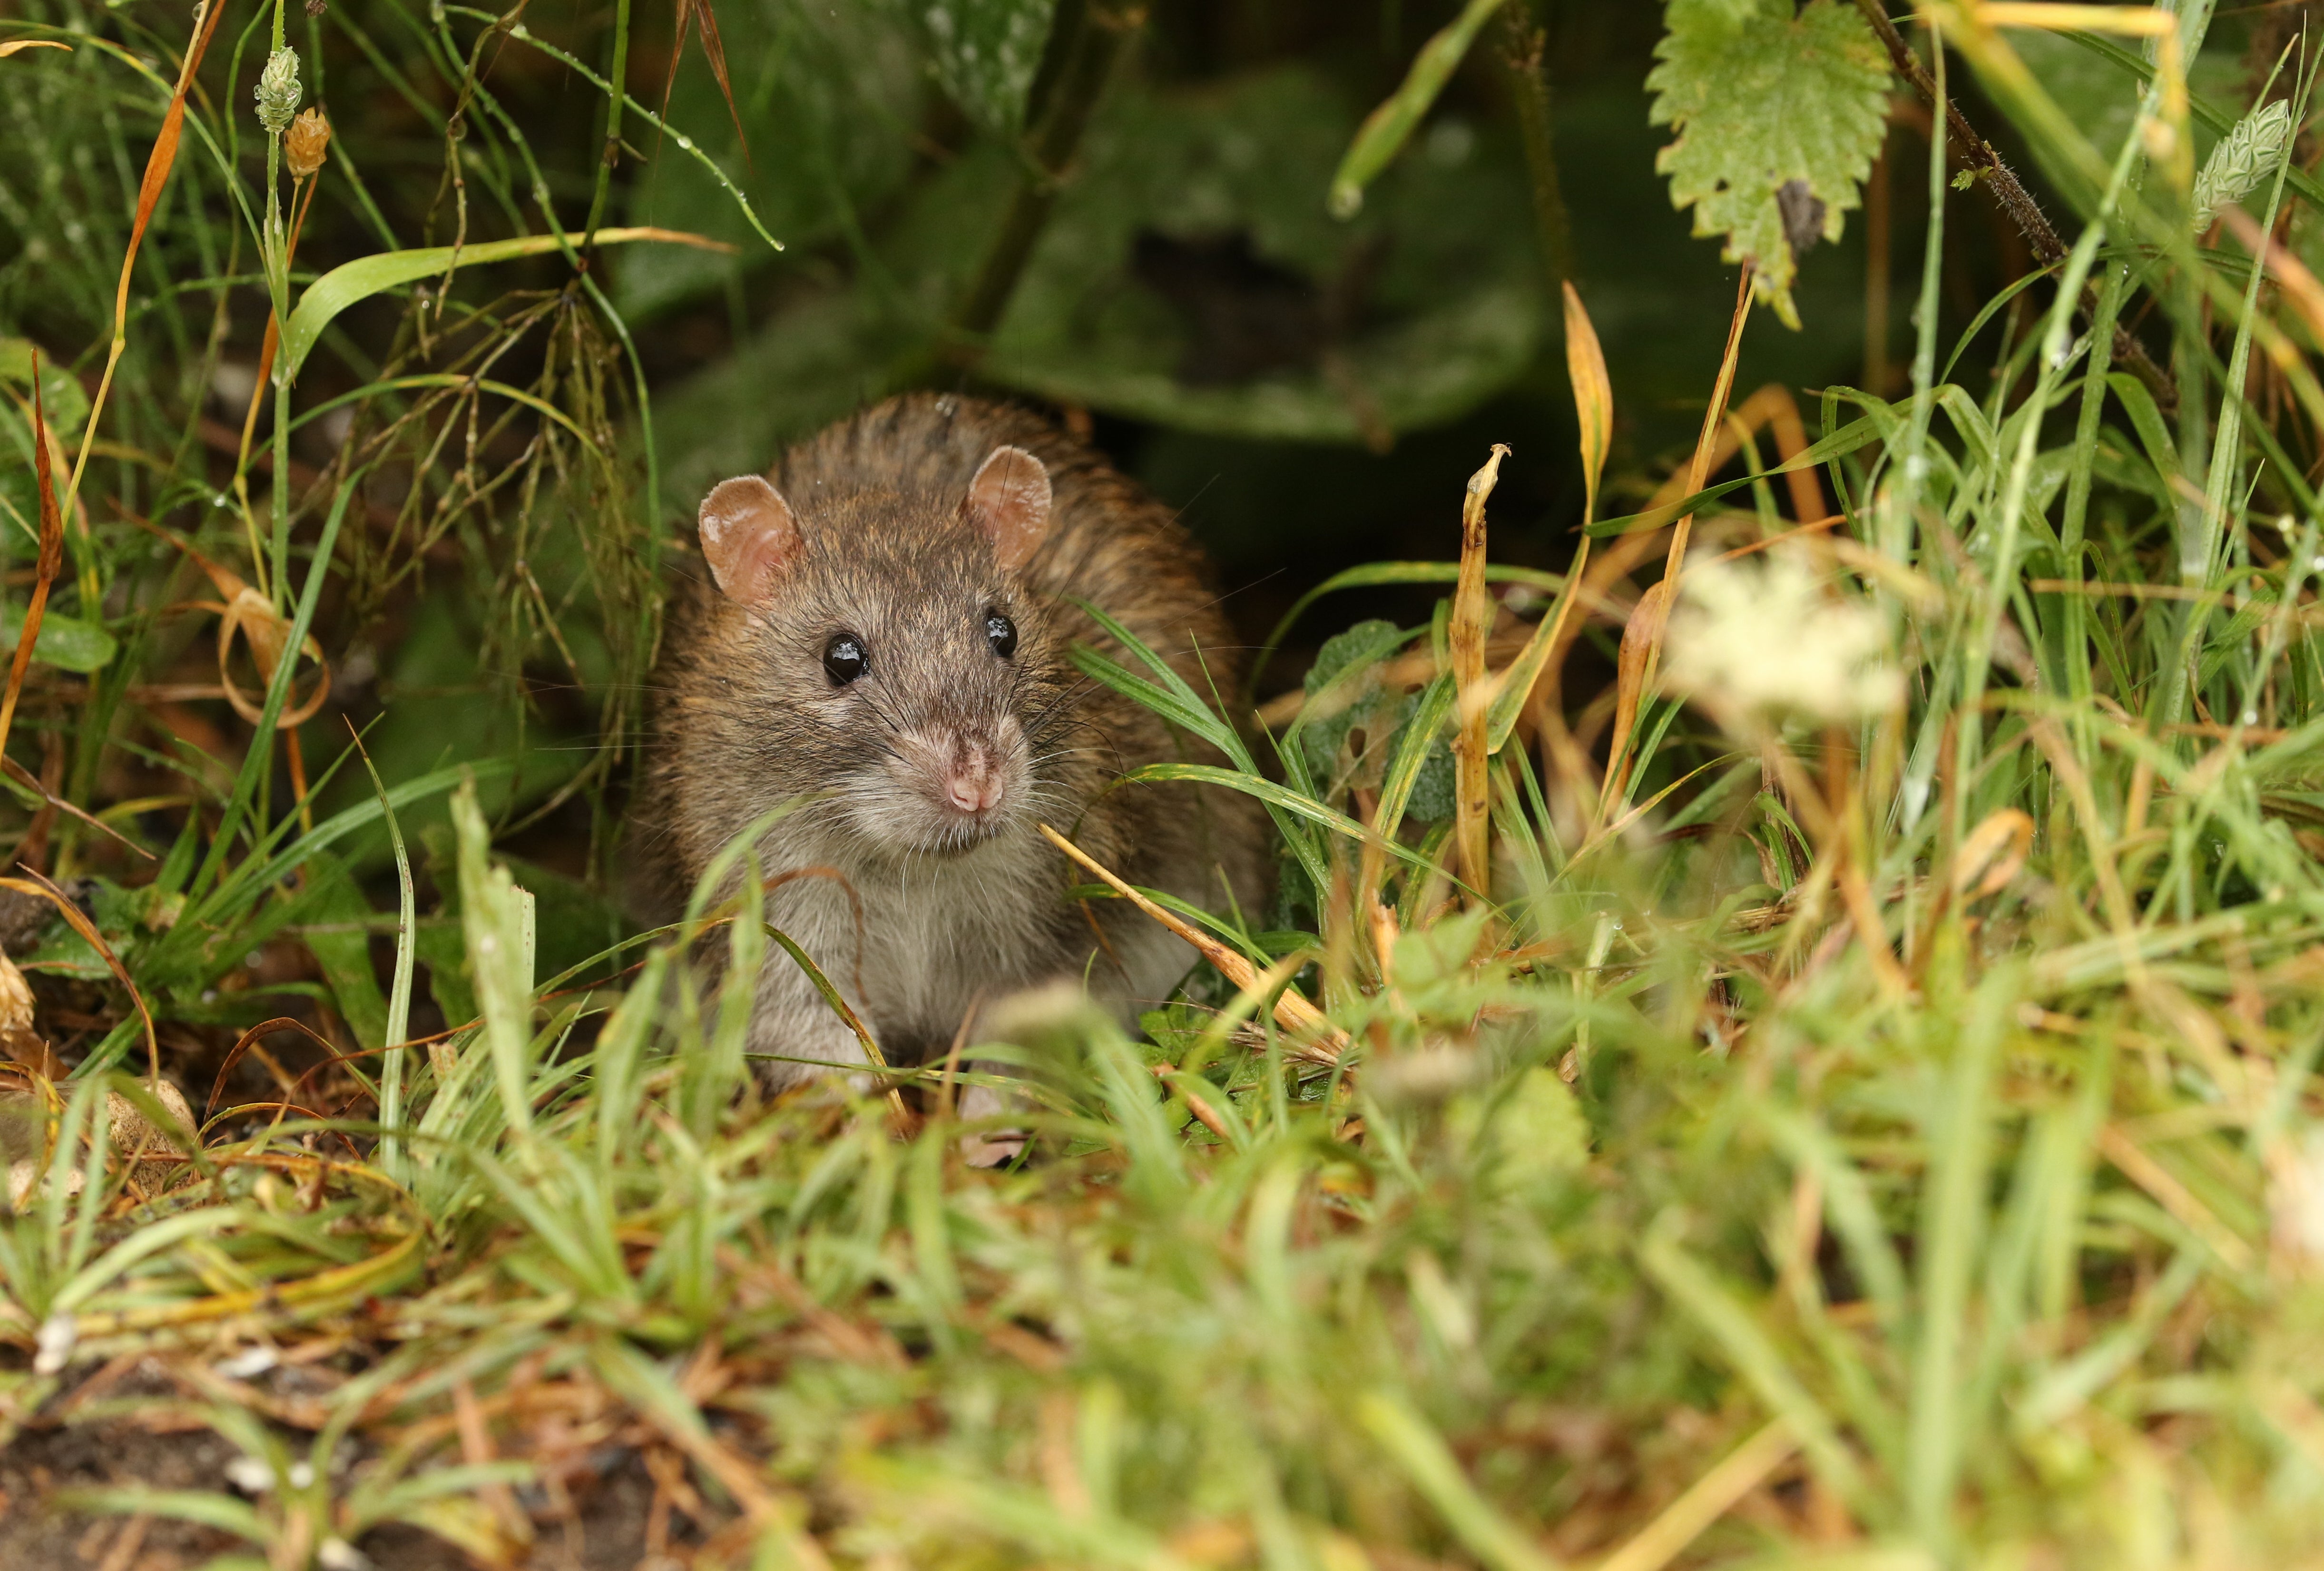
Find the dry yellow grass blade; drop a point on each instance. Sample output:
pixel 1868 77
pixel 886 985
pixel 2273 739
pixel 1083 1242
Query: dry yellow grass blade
pixel 38 886
pixel 1642 641
pixel 1993 853
pixel 1472 626
pixel 158 164
pixel 1293 1013
pixel 2130 21
pixel 1593 402
pixel 51 556
pixel 1708 1498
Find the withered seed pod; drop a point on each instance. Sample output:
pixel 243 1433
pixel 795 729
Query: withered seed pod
pixel 306 143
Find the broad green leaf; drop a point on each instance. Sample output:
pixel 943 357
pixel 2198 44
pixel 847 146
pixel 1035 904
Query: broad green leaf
pixel 1359 646
pixel 1372 574
pixel 986 54
pixel 1760 98
pixel 1190 277
pixel 1418 743
pixel 66 642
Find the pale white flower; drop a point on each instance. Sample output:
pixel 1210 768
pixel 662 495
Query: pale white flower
pixel 1761 636
pixel 2296 1202
pixel 249 1363
pixel 60 1333
pixel 250 1475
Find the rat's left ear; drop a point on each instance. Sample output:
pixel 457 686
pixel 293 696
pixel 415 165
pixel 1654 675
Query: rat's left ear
pixel 1008 500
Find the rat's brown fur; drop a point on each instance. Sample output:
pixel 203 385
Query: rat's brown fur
pixel 749 721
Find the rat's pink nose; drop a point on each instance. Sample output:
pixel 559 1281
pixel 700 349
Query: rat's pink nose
pixel 973 784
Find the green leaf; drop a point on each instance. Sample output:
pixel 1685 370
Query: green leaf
pixel 339 937
pixel 210 1509
pixel 66 642
pixel 64 403
pixel 986 54
pixel 497 916
pixel 1421 1455
pixel 352 281
pixel 1388 128
pixel 1760 98
pixel 1359 646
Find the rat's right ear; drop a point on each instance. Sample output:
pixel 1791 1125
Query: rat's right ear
pixel 1010 501
pixel 749 537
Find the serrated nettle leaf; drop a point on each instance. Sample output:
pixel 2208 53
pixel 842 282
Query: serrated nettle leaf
pixel 2244 157
pixel 1768 102
pixel 1361 645
pixel 986 54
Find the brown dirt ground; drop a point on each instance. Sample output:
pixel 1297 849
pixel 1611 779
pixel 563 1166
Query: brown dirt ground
pixel 603 1526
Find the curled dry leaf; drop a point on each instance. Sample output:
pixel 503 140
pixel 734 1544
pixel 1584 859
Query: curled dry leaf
pixel 243 611
pixel 131 1137
pixel 17 1037
pixel 1993 853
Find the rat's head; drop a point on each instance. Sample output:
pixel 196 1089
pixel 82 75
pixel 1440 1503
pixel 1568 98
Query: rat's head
pixel 900 662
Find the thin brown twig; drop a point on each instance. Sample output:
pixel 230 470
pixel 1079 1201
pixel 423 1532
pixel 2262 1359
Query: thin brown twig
pixel 53 548
pixel 2010 195
pixel 36 882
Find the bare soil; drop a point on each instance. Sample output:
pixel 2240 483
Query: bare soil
pixel 601 1524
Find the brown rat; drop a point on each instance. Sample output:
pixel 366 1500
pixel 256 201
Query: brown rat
pixel 889 627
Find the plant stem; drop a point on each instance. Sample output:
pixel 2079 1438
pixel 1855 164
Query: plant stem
pixel 1104 25
pixel 1524 43
pixel 2072 523
pixel 616 80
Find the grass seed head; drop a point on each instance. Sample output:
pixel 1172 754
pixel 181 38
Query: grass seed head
pixel 307 143
pixel 278 90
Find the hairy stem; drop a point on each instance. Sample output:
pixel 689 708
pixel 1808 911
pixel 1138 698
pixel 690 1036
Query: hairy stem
pixel 1524 43
pixel 2009 193
pixel 616 77
pixel 1104 25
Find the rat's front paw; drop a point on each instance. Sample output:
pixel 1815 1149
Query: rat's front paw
pixel 991 1147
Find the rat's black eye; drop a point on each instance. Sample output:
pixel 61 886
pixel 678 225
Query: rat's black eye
pixel 1002 633
pixel 844 658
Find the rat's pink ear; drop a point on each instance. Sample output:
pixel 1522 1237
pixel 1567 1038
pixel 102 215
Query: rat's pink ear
pixel 749 537
pixel 1008 500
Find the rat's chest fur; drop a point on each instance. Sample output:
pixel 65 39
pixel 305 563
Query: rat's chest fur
pixel 914 938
